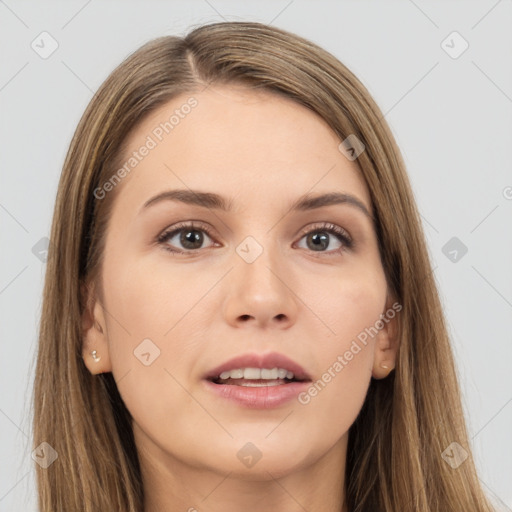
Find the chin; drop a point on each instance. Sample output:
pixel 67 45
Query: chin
pixel 260 460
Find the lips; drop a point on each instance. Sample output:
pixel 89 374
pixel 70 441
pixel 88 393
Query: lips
pixel 269 361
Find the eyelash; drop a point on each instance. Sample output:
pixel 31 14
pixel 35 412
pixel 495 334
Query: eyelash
pixel 326 227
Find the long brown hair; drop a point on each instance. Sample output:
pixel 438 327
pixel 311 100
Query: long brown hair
pixel 394 458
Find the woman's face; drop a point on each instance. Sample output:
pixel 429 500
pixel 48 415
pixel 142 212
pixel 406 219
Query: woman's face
pixel 253 278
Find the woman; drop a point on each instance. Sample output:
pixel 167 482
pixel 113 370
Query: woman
pixel 251 319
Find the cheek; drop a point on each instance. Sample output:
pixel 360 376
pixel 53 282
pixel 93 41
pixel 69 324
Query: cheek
pixel 345 302
pixel 151 300
pixel 349 307
pixel 149 327
pixel 169 306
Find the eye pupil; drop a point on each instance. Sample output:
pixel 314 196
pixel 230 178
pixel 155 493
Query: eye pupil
pixel 319 240
pixel 191 236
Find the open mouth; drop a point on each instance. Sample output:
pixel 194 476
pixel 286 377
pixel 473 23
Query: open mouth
pixel 255 383
pixel 258 388
pixel 256 377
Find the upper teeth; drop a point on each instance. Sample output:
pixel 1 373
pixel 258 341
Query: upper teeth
pixel 257 373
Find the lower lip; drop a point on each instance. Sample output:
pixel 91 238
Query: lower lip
pixel 264 397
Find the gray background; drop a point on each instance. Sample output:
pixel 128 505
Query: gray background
pixel 451 117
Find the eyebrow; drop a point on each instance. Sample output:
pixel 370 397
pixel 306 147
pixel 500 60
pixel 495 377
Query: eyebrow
pixel 214 201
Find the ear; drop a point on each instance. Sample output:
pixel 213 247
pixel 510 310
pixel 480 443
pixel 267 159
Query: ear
pixel 94 332
pixel 387 340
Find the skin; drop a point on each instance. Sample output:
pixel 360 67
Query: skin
pixel 262 152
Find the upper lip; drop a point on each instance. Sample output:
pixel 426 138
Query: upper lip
pixel 254 360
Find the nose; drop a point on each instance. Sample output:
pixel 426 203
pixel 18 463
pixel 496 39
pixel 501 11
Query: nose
pixel 260 293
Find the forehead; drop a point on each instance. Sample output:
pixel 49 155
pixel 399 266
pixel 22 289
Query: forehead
pixel 237 142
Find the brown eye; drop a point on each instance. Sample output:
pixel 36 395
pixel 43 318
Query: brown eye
pixel 189 236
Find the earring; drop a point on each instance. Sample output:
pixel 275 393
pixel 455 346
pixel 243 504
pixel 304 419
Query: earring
pixel 94 356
